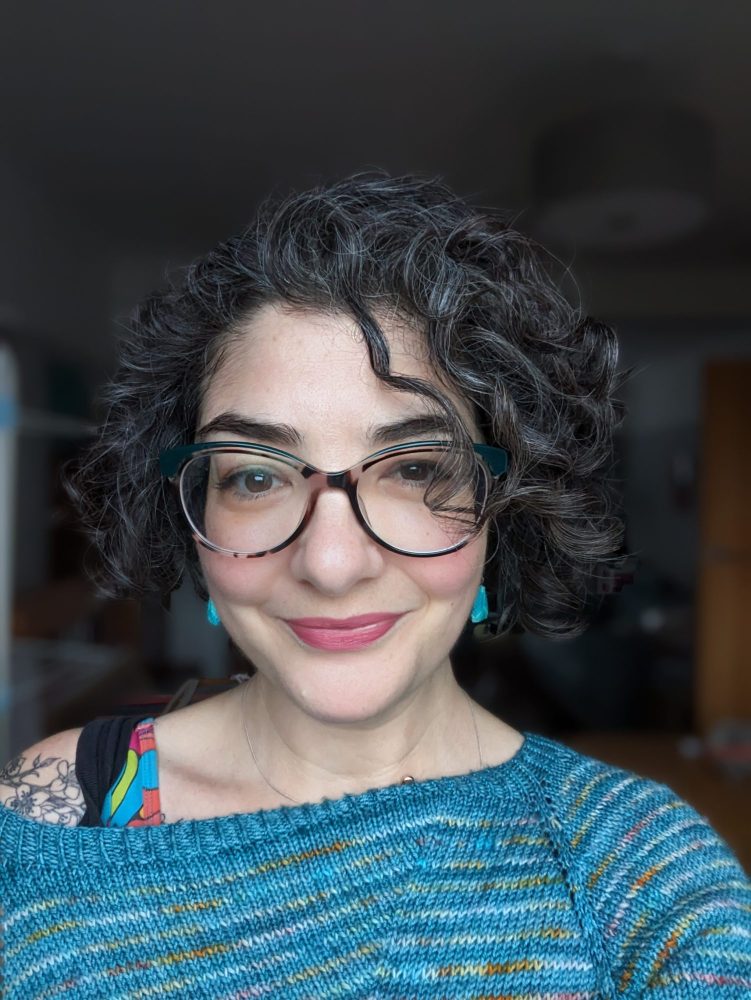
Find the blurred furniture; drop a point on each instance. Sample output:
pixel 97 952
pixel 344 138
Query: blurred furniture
pixel 190 692
pixel 723 652
pixel 54 680
pixel 72 654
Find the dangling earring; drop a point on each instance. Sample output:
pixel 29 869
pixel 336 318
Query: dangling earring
pixel 479 611
pixel 212 615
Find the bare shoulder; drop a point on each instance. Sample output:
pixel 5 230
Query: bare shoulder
pixel 41 783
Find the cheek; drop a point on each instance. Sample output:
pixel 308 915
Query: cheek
pixel 254 581
pixel 240 581
pixel 451 576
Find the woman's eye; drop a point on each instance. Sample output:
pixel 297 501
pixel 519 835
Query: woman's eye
pixel 250 481
pixel 415 472
pixel 256 480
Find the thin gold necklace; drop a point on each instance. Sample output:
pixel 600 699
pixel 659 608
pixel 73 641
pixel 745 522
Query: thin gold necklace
pixel 408 779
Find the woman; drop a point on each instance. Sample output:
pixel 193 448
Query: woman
pixel 351 425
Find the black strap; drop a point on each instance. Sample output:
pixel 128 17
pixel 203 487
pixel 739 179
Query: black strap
pixel 100 756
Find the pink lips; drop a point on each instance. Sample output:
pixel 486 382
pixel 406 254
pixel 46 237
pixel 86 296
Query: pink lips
pixel 342 633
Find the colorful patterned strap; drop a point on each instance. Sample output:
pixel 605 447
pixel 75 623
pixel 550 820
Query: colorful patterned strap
pixel 133 799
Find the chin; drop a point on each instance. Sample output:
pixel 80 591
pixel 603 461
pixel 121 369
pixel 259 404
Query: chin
pixel 345 688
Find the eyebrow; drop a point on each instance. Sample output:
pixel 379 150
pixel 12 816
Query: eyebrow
pixel 426 425
pixel 269 432
pixel 262 431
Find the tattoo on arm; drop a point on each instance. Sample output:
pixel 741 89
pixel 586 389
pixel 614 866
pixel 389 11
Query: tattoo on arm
pixel 52 797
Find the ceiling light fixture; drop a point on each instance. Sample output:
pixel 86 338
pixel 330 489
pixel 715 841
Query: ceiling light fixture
pixel 622 178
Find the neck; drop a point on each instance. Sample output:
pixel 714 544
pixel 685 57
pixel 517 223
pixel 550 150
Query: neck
pixel 293 756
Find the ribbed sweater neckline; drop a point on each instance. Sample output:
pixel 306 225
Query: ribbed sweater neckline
pixel 28 842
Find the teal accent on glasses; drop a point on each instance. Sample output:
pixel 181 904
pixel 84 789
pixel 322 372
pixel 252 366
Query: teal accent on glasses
pixel 171 459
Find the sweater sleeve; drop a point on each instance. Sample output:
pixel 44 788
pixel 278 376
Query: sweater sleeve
pixel 670 903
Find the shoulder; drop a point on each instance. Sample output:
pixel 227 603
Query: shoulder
pixel 41 783
pixel 615 811
pixel 616 820
pixel 667 901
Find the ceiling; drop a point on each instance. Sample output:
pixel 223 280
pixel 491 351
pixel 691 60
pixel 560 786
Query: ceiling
pixel 162 123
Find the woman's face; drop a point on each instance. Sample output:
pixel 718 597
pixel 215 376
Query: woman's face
pixel 311 373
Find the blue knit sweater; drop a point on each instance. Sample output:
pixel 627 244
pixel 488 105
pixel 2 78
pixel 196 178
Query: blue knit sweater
pixel 552 876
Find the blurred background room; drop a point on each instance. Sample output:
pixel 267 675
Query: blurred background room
pixel 135 136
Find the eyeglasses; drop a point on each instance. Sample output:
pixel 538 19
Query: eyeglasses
pixel 424 498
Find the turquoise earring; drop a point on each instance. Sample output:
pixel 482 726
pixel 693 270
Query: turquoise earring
pixel 212 615
pixel 480 607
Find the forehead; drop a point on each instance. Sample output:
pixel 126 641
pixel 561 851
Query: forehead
pixel 312 370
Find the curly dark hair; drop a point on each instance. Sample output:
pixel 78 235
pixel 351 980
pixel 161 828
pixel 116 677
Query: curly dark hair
pixel 499 330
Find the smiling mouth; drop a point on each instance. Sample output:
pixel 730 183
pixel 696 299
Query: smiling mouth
pixel 343 633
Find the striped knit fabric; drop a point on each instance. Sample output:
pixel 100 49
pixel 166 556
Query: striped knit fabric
pixel 550 877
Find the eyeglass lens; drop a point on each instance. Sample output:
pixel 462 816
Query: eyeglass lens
pixel 419 501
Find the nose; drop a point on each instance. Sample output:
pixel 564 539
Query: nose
pixel 334 553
